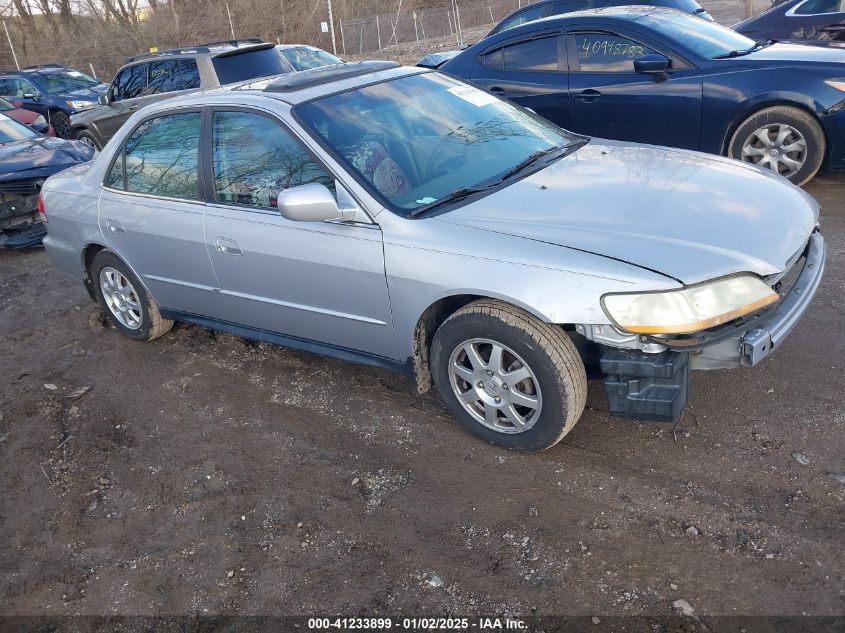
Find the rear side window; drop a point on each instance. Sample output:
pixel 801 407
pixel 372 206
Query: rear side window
pixel 172 74
pixel 255 158
pixel 526 16
pixel 160 158
pixel 813 7
pixel 248 64
pixel 606 53
pixel 130 83
pixel 539 55
pixel 568 7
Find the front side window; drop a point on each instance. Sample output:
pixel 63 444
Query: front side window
pixel 254 158
pixel 606 53
pixel 418 139
pixel 130 83
pixel 160 158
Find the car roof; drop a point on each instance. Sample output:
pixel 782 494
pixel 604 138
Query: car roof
pixel 626 13
pixel 309 84
pixel 212 49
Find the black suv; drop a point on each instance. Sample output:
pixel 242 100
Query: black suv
pixel 162 74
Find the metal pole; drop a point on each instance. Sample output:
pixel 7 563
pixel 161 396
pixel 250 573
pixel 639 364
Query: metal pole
pixel 378 33
pixel 416 30
pixel 458 22
pixel 331 27
pixel 93 72
pixel 749 8
pixel 17 65
pixel 342 37
pixel 491 14
pixel 231 26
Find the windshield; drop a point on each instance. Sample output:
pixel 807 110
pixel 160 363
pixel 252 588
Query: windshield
pixel 302 58
pixel 706 39
pixel 5 105
pixel 421 138
pixel 249 64
pixel 66 81
pixel 11 131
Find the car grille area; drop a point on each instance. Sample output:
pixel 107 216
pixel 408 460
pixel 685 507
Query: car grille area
pixel 18 201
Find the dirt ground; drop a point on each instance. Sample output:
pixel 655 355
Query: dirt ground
pixel 207 474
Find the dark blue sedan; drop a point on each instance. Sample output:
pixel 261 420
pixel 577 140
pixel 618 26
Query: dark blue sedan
pixel 659 76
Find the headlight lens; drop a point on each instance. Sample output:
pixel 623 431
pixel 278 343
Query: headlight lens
pixel 80 105
pixel 690 309
pixel 839 84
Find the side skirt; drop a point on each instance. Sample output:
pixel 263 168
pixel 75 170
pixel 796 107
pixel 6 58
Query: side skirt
pixel 293 342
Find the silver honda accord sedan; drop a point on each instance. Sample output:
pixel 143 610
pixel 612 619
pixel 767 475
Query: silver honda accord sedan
pixel 401 218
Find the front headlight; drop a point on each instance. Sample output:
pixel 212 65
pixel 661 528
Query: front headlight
pixel 839 84
pixel 80 105
pixel 690 309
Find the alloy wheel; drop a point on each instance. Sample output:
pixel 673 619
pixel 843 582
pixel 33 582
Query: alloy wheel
pixel 121 298
pixel 777 146
pixel 495 386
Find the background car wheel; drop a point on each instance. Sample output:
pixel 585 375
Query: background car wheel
pixel 124 300
pixel 786 140
pixel 61 125
pixel 508 377
pixel 86 138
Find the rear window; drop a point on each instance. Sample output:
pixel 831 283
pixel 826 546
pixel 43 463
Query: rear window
pixel 249 64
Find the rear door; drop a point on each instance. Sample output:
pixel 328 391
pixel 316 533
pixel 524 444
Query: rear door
pixel 530 71
pixel 610 99
pixel 151 213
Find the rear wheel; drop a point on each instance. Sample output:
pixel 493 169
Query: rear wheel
pixel 508 377
pixel 124 300
pixel 786 140
pixel 61 124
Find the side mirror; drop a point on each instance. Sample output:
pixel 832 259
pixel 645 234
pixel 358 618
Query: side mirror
pixel 308 203
pixel 103 99
pixel 652 64
pixel 31 96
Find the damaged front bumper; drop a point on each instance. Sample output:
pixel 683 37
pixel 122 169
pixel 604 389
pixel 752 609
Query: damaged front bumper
pixel 655 386
pixel 20 226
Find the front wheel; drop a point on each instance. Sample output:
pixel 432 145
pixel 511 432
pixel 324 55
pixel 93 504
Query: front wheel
pixel 507 377
pixel 61 125
pixel 786 140
pixel 86 138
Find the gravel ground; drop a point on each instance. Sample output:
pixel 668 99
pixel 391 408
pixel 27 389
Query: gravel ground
pixel 205 474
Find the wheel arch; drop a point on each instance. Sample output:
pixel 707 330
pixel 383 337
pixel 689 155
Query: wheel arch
pixel 434 316
pixel 758 104
pixel 91 250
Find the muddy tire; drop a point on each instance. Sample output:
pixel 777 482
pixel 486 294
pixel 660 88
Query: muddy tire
pixel 786 140
pixel 124 300
pixel 507 377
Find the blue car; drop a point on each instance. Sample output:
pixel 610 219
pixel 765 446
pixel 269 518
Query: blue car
pixel 810 21
pixel 660 76
pixel 53 91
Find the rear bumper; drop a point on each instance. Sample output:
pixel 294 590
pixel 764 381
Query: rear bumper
pixel 28 236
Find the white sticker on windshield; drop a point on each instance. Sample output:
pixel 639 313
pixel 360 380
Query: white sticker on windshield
pixel 473 95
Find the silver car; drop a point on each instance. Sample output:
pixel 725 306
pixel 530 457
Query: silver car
pixel 401 218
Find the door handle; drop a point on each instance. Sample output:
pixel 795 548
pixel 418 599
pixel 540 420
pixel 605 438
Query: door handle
pixel 132 108
pixel 115 227
pixel 498 91
pixel 588 95
pixel 228 247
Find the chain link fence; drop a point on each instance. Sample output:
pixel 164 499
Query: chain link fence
pixel 372 33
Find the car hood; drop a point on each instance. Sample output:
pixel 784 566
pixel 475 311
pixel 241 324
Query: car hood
pixel 40 156
pixel 85 94
pixel 683 214
pixel 796 53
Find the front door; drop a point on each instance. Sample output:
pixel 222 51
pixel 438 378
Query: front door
pixel 151 213
pixel 317 281
pixel 609 99
pixel 126 95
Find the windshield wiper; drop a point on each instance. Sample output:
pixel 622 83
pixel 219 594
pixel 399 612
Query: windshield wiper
pixel 457 194
pixel 757 46
pixel 530 160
